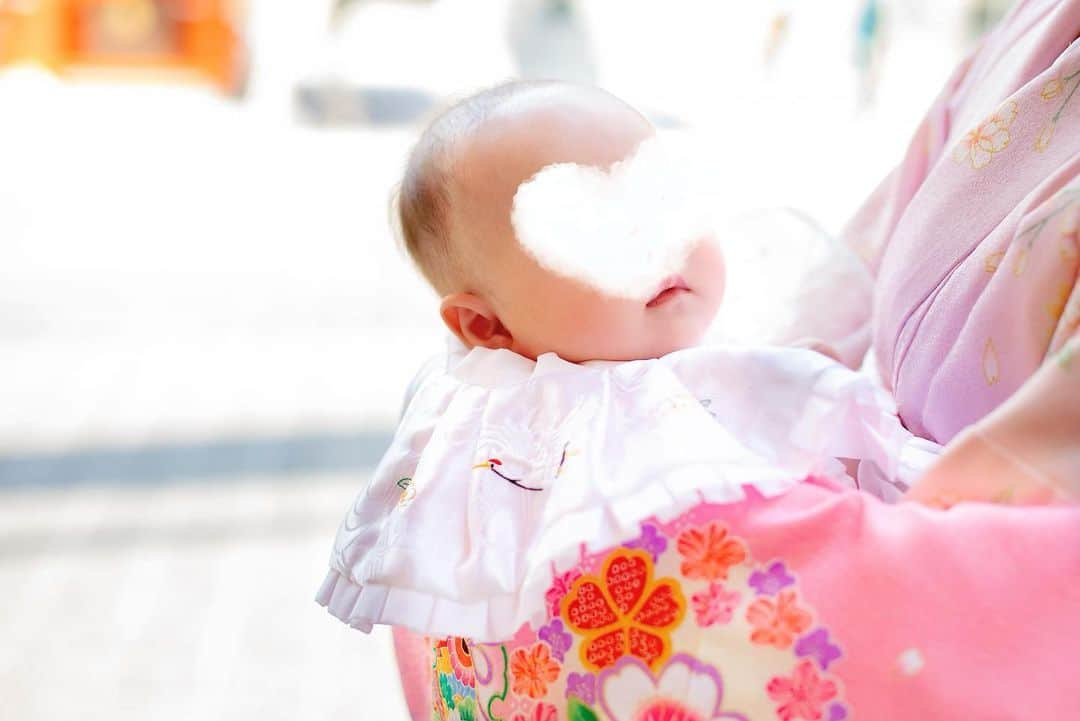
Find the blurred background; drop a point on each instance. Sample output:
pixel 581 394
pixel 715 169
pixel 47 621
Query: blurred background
pixel 206 326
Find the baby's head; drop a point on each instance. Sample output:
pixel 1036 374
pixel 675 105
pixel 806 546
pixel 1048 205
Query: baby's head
pixel 454 208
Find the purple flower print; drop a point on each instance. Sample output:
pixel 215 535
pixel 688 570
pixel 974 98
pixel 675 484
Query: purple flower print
pixel 557 638
pixel 582 685
pixel 651 541
pixel 769 583
pixel 837 712
pixel 817 646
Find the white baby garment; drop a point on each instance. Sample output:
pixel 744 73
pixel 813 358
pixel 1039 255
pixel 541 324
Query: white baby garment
pixel 502 468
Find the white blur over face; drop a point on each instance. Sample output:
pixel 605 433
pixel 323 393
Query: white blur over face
pixel 625 231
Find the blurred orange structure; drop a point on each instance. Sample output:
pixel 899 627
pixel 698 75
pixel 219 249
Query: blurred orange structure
pixel 200 38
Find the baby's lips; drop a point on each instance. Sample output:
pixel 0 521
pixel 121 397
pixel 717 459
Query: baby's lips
pixel 666 287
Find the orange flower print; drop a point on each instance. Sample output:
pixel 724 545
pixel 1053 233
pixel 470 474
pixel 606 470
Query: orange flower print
pixel 777 622
pixel 978 147
pixel 533 670
pixel 1042 140
pixel 622 611
pixel 1060 86
pixel 709 552
pixel 1059 301
pixel 993 260
pixel 990 366
pixel 1053 88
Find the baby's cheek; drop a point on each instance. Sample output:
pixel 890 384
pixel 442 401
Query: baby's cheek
pixel 706 265
pixel 548 322
pixel 592 330
pixel 599 329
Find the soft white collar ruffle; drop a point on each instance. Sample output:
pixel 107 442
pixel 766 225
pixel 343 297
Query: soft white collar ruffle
pixel 503 467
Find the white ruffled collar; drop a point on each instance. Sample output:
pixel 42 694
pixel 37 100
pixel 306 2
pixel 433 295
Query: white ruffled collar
pixel 507 466
pixel 490 368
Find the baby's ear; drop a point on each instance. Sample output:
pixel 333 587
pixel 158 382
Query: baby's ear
pixel 473 321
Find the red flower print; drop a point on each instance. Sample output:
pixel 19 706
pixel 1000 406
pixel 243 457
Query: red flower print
pixel 776 623
pixel 668 710
pixel 623 611
pixel 709 552
pixel 461 661
pixel 715 604
pixel 545 712
pixel 533 670
pixel 804 695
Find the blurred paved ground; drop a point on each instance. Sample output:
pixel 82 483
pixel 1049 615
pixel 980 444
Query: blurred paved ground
pixel 181 602
pixel 205 328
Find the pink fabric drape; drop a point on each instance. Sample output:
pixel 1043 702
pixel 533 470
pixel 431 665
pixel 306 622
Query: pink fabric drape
pixel 974 236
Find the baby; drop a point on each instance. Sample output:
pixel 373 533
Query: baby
pixel 455 207
pixel 588 515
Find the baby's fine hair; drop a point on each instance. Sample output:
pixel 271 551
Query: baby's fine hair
pixel 421 203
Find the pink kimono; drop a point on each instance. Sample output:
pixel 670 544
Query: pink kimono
pixel 974 240
pixel 821 603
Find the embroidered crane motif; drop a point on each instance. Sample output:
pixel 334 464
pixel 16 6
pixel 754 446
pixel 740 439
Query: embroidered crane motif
pixel 493 462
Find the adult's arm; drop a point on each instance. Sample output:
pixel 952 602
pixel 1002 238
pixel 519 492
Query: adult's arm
pixel 1027 451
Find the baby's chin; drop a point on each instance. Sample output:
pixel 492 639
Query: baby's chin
pixel 636 347
pixel 662 348
pixel 678 334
